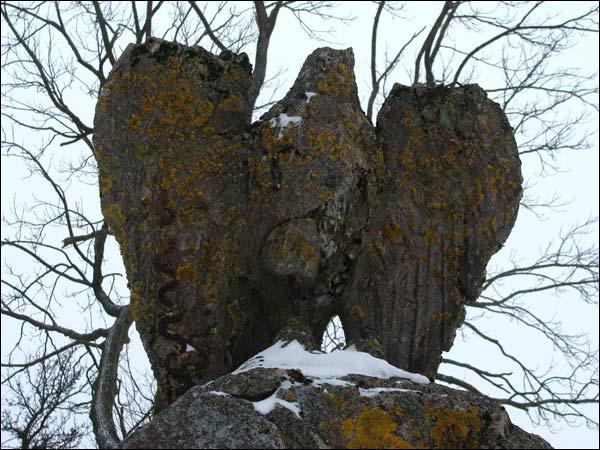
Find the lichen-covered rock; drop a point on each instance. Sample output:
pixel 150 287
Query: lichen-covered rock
pixel 314 144
pixel 207 420
pixel 235 234
pixel 169 144
pixel 228 231
pixel 364 412
pixel 445 195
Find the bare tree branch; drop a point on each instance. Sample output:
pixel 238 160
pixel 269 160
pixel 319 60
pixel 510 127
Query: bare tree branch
pixel 105 387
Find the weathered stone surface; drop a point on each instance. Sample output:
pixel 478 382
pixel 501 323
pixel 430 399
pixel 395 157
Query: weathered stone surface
pixel 444 199
pixel 171 153
pixel 316 171
pixel 366 413
pixel 206 420
pixel 228 232
pixel 234 234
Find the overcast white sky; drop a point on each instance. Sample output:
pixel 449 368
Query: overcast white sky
pixel 578 182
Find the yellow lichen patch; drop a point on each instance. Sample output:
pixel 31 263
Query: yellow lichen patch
pixel 429 237
pixel 186 272
pixel 114 217
pixel 237 223
pixel 113 214
pixel 289 396
pixel 324 195
pixel 409 119
pixel 260 172
pixel 134 123
pixel 106 183
pixel 140 311
pixel 103 105
pixel 339 80
pixel 390 232
pixel 234 76
pixel 170 104
pixel 438 317
pixel 339 403
pixel 136 299
pixel 274 138
pixel 162 246
pixel 454 428
pixel 374 428
pixel 233 103
pixel 279 251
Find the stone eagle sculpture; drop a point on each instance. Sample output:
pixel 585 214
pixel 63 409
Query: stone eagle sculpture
pixel 235 234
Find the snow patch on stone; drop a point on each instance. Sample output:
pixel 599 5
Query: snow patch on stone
pixel 219 393
pixel 282 121
pixel 309 96
pixel 318 382
pixel 325 368
pixel 372 392
pixel 267 405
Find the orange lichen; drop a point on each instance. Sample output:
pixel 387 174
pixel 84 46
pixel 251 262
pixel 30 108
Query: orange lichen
pixel 453 428
pixel 186 272
pixel 338 403
pixel 390 232
pixel 338 80
pixel 374 428
pixel 113 214
pixel 141 311
pixel 233 103
pixel 106 183
pixel 438 317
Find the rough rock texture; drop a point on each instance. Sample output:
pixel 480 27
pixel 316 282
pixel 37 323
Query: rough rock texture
pixel 365 413
pixel 234 234
pixel 443 201
pixel 171 153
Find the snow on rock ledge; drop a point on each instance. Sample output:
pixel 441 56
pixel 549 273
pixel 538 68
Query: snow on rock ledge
pixel 326 366
pixel 288 397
